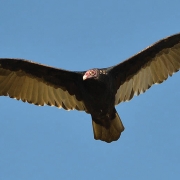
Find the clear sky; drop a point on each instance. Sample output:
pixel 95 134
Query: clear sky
pixel 49 143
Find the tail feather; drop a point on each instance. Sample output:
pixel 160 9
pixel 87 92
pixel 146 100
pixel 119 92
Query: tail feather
pixel 109 131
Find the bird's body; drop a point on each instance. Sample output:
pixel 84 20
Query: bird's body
pixel 95 91
pixel 99 95
pixel 100 98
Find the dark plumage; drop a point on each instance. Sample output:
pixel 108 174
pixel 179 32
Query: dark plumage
pixel 96 91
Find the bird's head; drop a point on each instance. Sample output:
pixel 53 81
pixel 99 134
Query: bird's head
pixel 92 73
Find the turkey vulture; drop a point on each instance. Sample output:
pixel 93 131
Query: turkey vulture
pixel 95 91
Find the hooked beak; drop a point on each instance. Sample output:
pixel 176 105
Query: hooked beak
pixel 84 77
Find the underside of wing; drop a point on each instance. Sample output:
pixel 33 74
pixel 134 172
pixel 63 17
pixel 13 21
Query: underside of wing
pixel 151 66
pixel 40 85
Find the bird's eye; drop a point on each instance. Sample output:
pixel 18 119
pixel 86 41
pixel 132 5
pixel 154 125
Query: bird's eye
pixel 92 72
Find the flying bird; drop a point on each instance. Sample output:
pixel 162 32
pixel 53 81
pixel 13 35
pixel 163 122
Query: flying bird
pixel 95 91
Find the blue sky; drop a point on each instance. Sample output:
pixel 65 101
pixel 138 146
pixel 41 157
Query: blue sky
pixel 51 143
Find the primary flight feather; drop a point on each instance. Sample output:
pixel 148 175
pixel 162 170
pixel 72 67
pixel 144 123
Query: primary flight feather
pixel 95 91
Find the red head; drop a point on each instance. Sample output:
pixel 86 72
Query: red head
pixel 92 73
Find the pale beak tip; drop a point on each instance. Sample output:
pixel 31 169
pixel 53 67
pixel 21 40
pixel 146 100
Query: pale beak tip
pixel 84 77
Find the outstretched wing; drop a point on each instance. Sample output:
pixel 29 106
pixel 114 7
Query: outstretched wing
pixel 150 66
pixel 40 85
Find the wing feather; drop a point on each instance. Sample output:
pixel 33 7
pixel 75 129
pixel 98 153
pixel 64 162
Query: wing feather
pixel 24 88
pixel 40 85
pixel 136 84
pixel 151 66
pixel 17 91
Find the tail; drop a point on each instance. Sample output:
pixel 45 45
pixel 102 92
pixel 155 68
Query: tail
pixel 108 129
